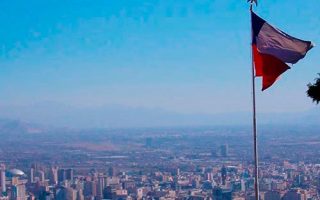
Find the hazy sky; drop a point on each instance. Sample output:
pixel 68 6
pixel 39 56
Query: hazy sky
pixel 179 55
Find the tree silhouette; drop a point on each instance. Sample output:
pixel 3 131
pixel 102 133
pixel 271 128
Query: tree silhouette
pixel 314 90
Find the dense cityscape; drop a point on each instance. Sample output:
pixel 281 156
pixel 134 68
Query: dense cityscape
pixel 183 163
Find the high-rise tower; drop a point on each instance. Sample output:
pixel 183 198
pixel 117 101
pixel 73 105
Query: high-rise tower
pixel 3 178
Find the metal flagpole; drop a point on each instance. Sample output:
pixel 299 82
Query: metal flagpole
pixel 254 120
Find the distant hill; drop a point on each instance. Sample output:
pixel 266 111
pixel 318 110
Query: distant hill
pixel 16 127
pixel 115 116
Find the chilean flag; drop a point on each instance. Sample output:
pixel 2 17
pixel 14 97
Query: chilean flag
pixel 272 49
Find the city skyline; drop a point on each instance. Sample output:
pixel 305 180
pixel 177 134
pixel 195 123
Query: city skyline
pixel 166 164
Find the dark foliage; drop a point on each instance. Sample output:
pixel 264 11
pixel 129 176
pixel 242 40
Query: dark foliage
pixel 314 90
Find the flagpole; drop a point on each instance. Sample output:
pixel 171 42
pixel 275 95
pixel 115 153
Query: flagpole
pixel 254 120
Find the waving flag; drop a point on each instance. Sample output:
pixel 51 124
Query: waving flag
pixel 272 49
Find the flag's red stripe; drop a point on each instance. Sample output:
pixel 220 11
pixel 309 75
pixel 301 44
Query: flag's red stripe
pixel 267 66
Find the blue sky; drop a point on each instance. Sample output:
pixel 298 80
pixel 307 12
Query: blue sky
pixel 178 55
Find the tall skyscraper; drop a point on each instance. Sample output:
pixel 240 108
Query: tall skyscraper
pixel 41 175
pixel 223 175
pixel 243 185
pixel 53 175
pixel 100 185
pixel 31 177
pixel 19 191
pixel 61 175
pixel 178 171
pixel 65 174
pixel 3 179
pixel 90 188
pixel 224 150
pixel 112 171
pixel 69 174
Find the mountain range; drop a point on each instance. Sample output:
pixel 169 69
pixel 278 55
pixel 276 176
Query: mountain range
pixel 116 116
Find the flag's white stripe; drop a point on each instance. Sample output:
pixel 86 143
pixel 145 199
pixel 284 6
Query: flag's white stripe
pixel 272 41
